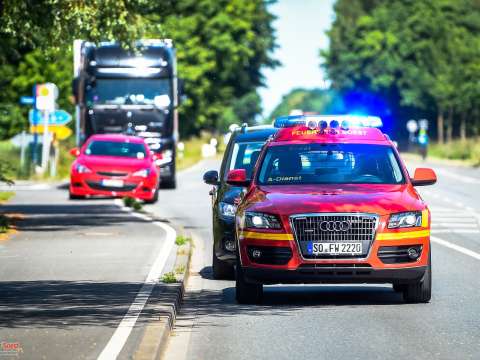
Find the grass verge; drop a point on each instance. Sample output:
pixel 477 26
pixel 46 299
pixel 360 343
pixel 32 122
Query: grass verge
pixel 6 195
pixel 193 150
pixel 468 151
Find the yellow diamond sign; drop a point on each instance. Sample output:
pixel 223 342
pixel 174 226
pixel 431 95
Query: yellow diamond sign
pixel 61 132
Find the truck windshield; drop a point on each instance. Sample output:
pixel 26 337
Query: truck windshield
pixel 330 164
pixel 130 92
pixel 117 149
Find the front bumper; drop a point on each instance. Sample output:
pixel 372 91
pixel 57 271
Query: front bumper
pixel 333 274
pixel 224 231
pixel 271 258
pixel 135 187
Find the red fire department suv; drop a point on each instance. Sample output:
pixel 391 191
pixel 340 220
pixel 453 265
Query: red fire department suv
pixel 330 201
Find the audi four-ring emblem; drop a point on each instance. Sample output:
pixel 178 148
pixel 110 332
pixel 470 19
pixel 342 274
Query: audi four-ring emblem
pixel 335 225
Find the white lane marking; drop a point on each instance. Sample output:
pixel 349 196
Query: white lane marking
pixel 121 334
pixel 452 224
pixel 455 247
pixel 463 178
pixel 447 218
pixel 455 231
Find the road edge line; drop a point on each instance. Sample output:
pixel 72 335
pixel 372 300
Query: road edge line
pixel 455 247
pixel 123 330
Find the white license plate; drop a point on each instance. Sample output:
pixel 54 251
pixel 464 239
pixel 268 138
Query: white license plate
pixel 112 183
pixel 335 248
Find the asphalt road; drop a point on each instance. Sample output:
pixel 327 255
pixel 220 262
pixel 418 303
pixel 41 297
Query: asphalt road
pixel 70 275
pixel 336 321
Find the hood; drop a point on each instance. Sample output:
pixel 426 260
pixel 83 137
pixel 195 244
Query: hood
pixel 379 199
pixel 113 163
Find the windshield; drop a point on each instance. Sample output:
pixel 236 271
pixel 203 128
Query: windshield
pixel 130 92
pixel 117 149
pixel 330 164
pixel 245 155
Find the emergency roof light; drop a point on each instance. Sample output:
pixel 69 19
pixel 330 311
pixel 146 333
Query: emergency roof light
pixel 324 121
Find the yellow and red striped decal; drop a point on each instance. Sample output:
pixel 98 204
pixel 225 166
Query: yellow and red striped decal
pixel 403 235
pixel 267 236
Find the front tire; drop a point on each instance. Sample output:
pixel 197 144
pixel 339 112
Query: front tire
pixel 421 291
pixel 75 197
pixel 246 293
pixel 221 270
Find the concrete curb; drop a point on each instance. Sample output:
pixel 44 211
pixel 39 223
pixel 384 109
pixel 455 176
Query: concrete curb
pixel 156 335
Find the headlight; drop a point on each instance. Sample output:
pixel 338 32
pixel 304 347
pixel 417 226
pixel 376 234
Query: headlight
pixel 406 219
pixel 142 173
pixel 227 210
pixel 82 169
pixel 164 157
pixel 261 221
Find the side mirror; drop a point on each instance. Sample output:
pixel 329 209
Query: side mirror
pixel 424 176
pixel 238 177
pixel 74 152
pixel 211 177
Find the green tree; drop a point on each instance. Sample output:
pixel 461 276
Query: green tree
pixel 222 46
pixel 312 100
pixel 421 55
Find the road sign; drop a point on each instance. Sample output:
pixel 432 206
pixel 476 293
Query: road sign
pixel 61 132
pixel 46 94
pixel 58 117
pixel 412 126
pixel 423 123
pixel 27 100
pixel 20 139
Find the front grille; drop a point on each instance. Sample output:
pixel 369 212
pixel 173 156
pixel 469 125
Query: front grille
pixel 108 173
pixel 312 228
pixel 98 186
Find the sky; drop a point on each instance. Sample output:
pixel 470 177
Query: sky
pixel 300 30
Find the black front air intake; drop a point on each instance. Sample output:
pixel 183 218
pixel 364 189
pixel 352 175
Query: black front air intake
pixel 269 255
pixel 399 254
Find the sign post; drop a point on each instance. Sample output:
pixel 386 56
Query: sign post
pixel 46 94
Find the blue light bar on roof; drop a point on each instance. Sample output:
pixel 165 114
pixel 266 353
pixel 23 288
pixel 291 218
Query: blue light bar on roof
pixel 345 121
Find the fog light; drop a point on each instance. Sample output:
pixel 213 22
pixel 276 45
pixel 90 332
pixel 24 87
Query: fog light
pixel 230 245
pixel 256 253
pixel 413 253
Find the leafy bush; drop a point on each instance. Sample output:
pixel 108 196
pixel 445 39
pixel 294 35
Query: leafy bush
pixel 169 278
pixel 181 240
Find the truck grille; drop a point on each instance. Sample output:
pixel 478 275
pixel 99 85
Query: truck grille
pixel 333 228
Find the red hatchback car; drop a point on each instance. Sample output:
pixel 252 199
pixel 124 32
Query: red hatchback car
pixel 114 165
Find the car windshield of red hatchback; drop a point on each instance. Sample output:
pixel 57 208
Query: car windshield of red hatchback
pixel 330 164
pixel 116 149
